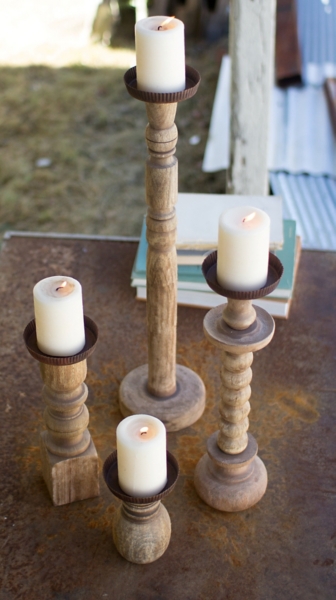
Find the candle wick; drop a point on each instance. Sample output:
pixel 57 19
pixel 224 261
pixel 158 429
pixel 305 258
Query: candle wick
pixel 165 22
pixel 249 217
pixel 143 430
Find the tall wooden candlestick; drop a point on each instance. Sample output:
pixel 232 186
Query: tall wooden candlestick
pixel 231 477
pixel 69 458
pixel 172 393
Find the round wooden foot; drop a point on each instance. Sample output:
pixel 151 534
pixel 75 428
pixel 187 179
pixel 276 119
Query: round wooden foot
pixel 178 411
pixel 231 482
pixel 141 526
pixel 141 532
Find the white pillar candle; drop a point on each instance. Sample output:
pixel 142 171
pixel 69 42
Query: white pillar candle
pixel 142 455
pixel 160 60
pixel 59 316
pixel 243 248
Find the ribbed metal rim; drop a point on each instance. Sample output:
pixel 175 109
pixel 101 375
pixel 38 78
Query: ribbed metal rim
pixel 110 473
pixel 275 271
pixel 193 79
pixel 91 337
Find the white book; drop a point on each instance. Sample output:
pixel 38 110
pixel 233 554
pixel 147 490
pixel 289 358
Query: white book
pixel 276 308
pixel 198 214
pixel 199 286
pixel 194 286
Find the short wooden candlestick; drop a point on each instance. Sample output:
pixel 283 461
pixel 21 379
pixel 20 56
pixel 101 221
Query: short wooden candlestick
pixel 69 458
pixel 141 526
pixel 172 393
pixel 231 477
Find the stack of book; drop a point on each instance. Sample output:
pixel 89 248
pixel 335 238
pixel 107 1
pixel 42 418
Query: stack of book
pixel 192 289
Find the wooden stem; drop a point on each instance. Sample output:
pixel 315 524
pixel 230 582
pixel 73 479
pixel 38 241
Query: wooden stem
pixel 231 477
pixel 144 388
pixel 66 415
pixel 69 458
pixel 239 314
pixel 236 375
pixel 161 196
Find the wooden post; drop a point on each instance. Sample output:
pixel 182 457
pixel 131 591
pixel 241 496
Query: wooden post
pixel 69 458
pixel 70 463
pixel 161 197
pixel 251 40
pixel 231 477
pixel 172 393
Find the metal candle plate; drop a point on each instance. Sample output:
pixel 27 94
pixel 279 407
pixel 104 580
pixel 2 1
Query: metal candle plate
pixel 91 337
pixel 275 271
pixel 193 79
pixel 110 472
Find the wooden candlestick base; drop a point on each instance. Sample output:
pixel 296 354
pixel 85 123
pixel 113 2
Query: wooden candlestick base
pixel 141 532
pixel 141 526
pixel 231 477
pixel 69 458
pixel 170 392
pixel 180 410
pixel 70 479
pixel 231 482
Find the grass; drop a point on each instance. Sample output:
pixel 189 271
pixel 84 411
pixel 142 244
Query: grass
pixel 84 121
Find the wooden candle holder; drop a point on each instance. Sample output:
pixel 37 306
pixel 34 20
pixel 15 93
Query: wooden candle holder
pixel 69 458
pixel 231 477
pixel 172 393
pixel 141 526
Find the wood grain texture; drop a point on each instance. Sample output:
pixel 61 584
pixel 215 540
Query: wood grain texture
pixel 231 477
pixel 70 479
pixel 69 458
pixel 251 41
pixel 172 393
pixel 231 483
pixel 141 532
pixel 180 410
pixel 161 270
pixel 239 314
pixel 66 415
pixel 234 407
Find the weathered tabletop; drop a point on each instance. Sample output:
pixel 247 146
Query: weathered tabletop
pixel 283 548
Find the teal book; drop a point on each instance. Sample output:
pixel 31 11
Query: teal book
pixel 287 255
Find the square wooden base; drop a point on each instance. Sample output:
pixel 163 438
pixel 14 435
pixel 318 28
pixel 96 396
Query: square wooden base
pixel 70 479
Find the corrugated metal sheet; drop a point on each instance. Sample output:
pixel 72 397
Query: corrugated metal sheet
pixel 317 35
pixel 301 137
pixel 311 202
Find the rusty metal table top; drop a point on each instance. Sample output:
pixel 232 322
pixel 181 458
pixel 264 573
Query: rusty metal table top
pixel 283 548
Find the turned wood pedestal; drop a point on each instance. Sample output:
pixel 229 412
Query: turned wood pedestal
pixel 172 393
pixel 141 527
pixel 69 458
pixel 231 477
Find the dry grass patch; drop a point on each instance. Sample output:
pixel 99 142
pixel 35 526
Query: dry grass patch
pixel 92 131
